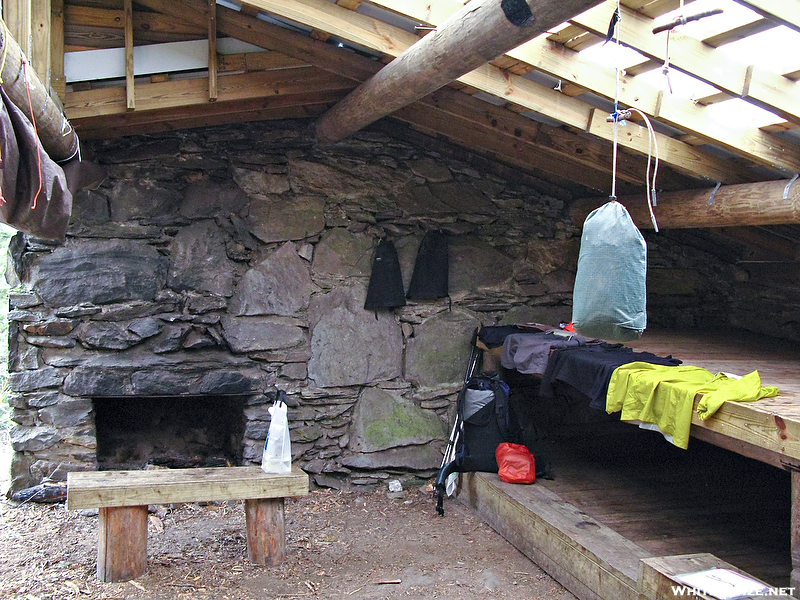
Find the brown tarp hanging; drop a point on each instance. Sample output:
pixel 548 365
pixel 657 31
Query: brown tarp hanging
pixel 35 197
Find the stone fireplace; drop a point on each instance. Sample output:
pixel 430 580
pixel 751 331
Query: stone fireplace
pixel 174 432
pixel 216 266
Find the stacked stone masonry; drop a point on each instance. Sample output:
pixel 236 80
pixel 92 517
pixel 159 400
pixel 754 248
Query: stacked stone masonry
pixel 235 261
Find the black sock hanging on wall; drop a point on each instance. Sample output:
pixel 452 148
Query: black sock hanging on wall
pixel 386 281
pixel 431 270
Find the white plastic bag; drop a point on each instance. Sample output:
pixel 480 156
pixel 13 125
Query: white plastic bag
pixel 277 457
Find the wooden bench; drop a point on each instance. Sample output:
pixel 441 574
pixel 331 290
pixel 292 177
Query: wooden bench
pixel 123 497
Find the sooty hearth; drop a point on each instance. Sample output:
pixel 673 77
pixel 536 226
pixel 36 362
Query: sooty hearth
pixel 175 432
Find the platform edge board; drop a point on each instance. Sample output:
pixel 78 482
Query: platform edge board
pixel 589 559
pixel 99 489
pixel 657 574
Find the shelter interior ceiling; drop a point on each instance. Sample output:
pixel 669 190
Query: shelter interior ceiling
pixel 727 111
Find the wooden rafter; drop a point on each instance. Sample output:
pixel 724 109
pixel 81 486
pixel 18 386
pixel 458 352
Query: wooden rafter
pixel 785 13
pixel 769 91
pixel 379 36
pixel 358 68
pixel 571 67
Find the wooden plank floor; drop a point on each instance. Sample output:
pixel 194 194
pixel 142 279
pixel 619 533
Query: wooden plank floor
pixel 733 351
pixel 642 496
pixel 670 501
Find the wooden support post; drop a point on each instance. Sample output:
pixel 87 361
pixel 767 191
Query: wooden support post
pixel 40 40
pixel 266 540
pixel 17 14
pixel 212 50
pixel 129 86
pixel 794 580
pixel 122 543
pixel 58 82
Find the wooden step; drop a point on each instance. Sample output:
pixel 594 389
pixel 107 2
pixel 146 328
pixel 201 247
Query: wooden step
pixel 589 559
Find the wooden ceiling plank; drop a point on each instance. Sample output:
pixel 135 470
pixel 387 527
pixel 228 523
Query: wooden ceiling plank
pixel 187 92
pixel 509 150
pixel 767 90
pixel 257 61
pixel 643 67
pixel 546 138
pixel 206 114
pixel 781 11
pixel 90 28
pixel 679 155
pixel 571 67
pixel 739 33
pixel 758 203
pixel 271 37
pixel 301 111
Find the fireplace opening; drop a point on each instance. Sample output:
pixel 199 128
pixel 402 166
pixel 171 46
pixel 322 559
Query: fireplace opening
pixel 174 432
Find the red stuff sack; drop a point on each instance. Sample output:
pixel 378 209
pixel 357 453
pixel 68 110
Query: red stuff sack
pixel 515 463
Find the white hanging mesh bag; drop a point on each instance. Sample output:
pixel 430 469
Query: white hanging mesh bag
pixel 610 294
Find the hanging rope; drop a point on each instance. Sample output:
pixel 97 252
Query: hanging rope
pixel 614 30
pixel 4 41
pixel 618 117
pixel 33 122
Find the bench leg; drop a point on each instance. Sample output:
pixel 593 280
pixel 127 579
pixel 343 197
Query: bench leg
pixel 122 543
pixel 266 539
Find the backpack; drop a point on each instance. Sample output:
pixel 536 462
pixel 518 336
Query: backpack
pixel 484 410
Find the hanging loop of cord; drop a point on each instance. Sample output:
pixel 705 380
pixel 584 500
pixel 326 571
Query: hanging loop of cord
pixel 24 64
pixel 619 117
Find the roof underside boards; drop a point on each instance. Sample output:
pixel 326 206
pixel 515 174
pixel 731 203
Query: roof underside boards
pixel 720 92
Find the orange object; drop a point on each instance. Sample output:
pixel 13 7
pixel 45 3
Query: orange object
pixel 515 463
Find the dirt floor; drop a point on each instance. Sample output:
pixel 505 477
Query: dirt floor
pixel 341 544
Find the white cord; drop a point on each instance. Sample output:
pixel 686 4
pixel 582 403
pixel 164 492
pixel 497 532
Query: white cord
pixel 651 187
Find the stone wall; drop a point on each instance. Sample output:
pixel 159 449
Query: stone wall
pixel 234 261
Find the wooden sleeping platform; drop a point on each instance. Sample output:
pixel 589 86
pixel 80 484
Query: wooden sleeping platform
pixel 621 494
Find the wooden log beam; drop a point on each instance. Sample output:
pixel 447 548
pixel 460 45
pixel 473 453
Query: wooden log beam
pixel 732 205
pixel 19 81
pixel 470 38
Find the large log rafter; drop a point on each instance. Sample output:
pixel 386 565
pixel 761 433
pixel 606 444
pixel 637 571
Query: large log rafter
pixel 470 38
pixel 763 203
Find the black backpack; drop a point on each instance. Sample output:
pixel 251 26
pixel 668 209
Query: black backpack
pixel 484 410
